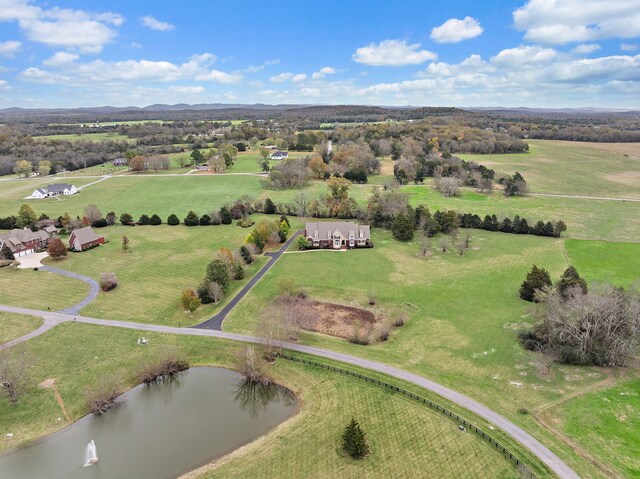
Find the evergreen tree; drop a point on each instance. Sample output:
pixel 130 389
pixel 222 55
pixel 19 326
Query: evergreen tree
pixel 246 255
pixel 269 207
pixel 144 220
pixel 431 227
pixel 402 227
pixel 506 226
pixel 126 219
pixel 537 279
pixel 197 157
pixel 548 229
pixel 26 217
pixel 217 271
pixel 523 229
pixel 192 219
pixel 155 220
pixel 205 220
pixel 571 280
pixel 225 216
pixel 173 220
pixel 354 441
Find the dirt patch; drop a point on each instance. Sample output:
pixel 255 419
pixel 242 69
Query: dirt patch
pixel 51 384
pixel 628 178
pixel 338 320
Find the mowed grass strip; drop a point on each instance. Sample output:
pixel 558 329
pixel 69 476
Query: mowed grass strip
pixel 408 439
pixel 13 326
pixel 39 289
pixel 573 168
pixel 606 262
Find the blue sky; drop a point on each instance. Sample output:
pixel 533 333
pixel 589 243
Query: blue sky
pixel 534 53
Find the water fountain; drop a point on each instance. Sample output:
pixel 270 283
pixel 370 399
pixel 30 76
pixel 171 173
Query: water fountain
pixel 91 454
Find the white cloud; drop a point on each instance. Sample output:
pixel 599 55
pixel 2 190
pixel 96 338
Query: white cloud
pixel 155 24
pixel 282 77
pixel 9 48
pixel 60 59
pixel 324 71
pixel 629 47
pixel 67 70
pixel 4 85
pixel 62 27
pixel 186 89
pixel 456 30
pixel 524 55
pixel 564 21
pixel 586 48
pixel 392 53
pixel 299 77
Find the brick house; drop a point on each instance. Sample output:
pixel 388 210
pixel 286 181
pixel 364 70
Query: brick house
pixel 82 239
pixel 21 242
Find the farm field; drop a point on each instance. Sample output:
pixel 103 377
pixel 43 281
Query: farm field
pixel 39 289
pixel 573 168
pixel 111 136
pixel 404 434
pixel 15 325
pixel 163 261
pixel 612 420
pixel 606 262
pixel 464 314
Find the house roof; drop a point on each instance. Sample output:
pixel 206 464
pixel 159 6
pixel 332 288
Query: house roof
pixel 55 188
pixel 280 153
pixel 51 229
pixel 325 229
pixel 16 238
pixel 85 235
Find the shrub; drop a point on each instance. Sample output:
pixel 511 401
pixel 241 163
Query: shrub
pixel 144 220
pixel 210 292
pixel 246 255
pixel 103 397
pixel 371 298
pixel 155 220
pixel 384 330
pixel 302 243
pixel 238 272
pixel 163 369
pixel 205 220
pixel 225 216
pixel 126 219
pixel 108 281
pixel 399 318
pixel 403 228
pixel 173 220
pixel 111 218
pixel 192 219
pixel 269 207
pixel 101 223
pixel 189 300
pixel 361 335
pixel 245 223
pixel 57 249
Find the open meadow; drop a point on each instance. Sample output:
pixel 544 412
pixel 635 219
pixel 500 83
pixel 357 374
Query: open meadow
pixel 15 325
pixel 573 168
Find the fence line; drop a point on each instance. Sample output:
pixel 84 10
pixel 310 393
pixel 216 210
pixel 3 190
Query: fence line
pixel 525 471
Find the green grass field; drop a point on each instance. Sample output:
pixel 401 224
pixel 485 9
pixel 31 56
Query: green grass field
pixel 39 289
pixel 15 325
pixel 606 262
pixel 163 261
pixel 573 168
pixel 607 424
pixel 96 170
pixel 406 437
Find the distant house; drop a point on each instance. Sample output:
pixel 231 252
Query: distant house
pixel 338 235
pixel 23 242
pixel 56 189
pixel 279 155
pixel 84 238
pixel 119 162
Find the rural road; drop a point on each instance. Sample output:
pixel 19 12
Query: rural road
pixel 215 323
pixel 532 444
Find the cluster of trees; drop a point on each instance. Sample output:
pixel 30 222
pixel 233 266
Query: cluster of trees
pixel 266 232
pixel 516 225
pixel 578 326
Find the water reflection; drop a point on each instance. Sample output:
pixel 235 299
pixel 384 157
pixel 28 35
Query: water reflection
pixel 255 396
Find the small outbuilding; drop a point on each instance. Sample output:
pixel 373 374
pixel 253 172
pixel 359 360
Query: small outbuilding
pixel 82 239
pixel 279 155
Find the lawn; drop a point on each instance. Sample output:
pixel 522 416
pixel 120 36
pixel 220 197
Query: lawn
pixel 464 316
pixel 573 168
pixel 406 437
pixel 607 424
pixel 96 170
pixel 606 262
pixel 39 289
pixel 163 261
pixel 15 325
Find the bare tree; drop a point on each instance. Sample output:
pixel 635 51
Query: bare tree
pixel 270 327
pixel 92 213
pixel 301 203
pixel 448 185
pixel 215 291
pixel 296 313
pixel 425 246
pixel 250 364
pixel 13 373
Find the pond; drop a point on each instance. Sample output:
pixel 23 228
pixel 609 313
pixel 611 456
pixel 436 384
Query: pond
pixel 158 431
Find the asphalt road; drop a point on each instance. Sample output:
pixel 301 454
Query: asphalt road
pixel 532 444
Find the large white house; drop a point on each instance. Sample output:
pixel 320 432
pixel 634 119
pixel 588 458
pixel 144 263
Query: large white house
pixel 56 189
pixel 279 155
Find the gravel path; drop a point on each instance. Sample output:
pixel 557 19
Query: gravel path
pixel 532 444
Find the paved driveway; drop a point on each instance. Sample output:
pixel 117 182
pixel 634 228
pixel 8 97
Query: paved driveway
pixel 32 260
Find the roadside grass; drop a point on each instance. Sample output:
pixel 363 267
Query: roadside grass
pixel 163 261
pixel 13 326
pixel 573 168
pixel 39 289
pixel 14 192
pixel 464 316
pixel 95 170
pixel 406 437
pixel 606 262
pixel 607 424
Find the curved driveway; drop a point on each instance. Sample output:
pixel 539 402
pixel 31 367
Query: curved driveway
pixel 532 444
pixel 94 288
